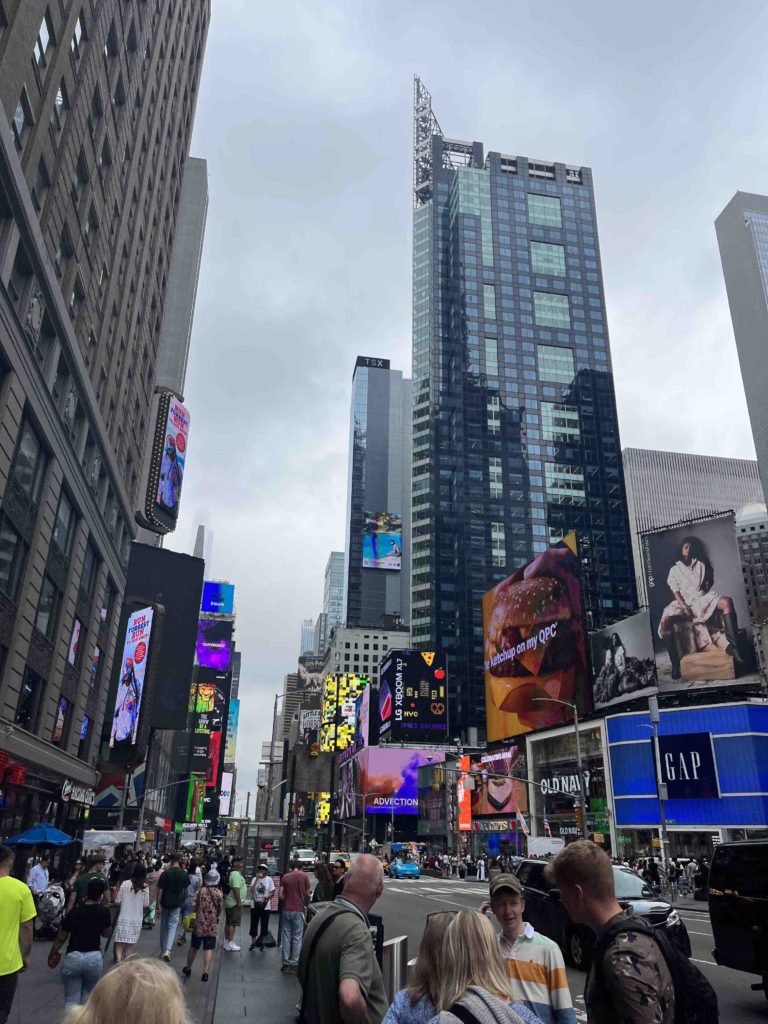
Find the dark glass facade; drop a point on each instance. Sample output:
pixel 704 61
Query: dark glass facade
pixel 516 438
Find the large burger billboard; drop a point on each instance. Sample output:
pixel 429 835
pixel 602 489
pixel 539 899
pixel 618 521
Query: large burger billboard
pixel 535 650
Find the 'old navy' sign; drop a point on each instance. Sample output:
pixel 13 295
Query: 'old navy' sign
pixel 565 784
pixel 688 766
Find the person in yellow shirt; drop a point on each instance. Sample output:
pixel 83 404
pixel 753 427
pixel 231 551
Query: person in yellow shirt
pixel 17 915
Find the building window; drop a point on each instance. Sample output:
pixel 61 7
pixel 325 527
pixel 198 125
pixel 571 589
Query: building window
pixel 13 555
pixel 90 570
pixel 489 301
pixel 48 608
pixel 64 528
pixel 565 484
pixel 85 735
pixel 44 40
pixel 493 408
pixel 29 463
pixel 78 37
pixel 64 252
pixel 30 701
pixel 555 364
pixel 109 603
pixel 61 722
pixel 498 545
pixel 75 643
pixel 491 357
pixel 544 210
pixel 559 422
pixel 60 107
pixel 42 184
pixel 22 119
pixel 93 676
pixel 548 259
pixel 495 478
pixel 552 310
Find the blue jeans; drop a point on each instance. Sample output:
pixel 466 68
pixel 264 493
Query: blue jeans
pixel 169 923
pixel 80 972
pixel 293 933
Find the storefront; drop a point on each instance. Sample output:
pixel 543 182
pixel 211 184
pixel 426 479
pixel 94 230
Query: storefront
pixel 556 785
pixel 714 763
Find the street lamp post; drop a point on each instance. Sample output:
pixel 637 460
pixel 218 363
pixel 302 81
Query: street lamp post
pixel 582 802
pixel 661 786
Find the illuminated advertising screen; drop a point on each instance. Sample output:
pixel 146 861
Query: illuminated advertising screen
pixel 500 785
pixel 534 645
pixel 623 663
pixel 362 717
pixel 214 756
pixel 218 598
pixel 126 712
pixel 389 778
pixel 464 796
pixel 338 712
pixel 225 797
pixel 349 802
pixel 233 723
pixel 432 800
pixel 699 616
pixel 173 458
pixel 195 799
pixel 382 540
pixel 412 697
pixel 214 644
pixel 322 808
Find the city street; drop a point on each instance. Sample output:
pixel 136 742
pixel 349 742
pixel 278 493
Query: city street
pixel 406 903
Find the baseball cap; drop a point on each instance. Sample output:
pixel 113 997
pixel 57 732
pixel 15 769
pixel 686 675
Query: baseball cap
pixel 506 881
pixel 213 877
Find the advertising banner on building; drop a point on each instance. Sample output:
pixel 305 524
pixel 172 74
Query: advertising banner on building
pixel 500 785
pixel 534 645
pixel 218 598
pixel 700 622
pixel 432 801
pixel 362 722
pixel 126 711
pixel 349 800
pixel 464 795
pixel 389 778
pixel 623 662
pixel 338 714
pixel 233 723
pixel 225 797
pixel 688 766
pixel 382 540
pixel 214 644
pixel 412 697
pixel 167 461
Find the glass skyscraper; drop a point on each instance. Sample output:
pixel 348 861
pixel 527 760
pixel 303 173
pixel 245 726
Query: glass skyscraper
pixel 515 432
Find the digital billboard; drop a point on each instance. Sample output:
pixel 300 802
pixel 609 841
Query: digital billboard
pixel 233 723
pixel 534 645
pixel 218 598
pixel 225 797
pixel 126 711
pixel 322 808
pixel 349 802
pixel 362 718
pixel 432 800
pixel 167 463
pixel 623 664
pixel 382 540
pixel 699 617
pixel 214 644
pixel 464 795
pixel 389 778
pixel 195 800
pixel 500 781
pixel 412 697
pixel 337 726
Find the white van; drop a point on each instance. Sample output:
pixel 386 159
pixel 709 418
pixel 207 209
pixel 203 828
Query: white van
pixel 306 858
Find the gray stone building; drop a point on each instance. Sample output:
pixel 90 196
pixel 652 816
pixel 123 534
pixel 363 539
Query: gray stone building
pixel 99 100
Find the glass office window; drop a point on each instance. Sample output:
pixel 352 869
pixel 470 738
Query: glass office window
pixel 548 259
pixel 552 310
pixel 544 210
pixel 555 364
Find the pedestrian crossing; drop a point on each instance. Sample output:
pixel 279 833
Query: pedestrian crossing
pixel 436 889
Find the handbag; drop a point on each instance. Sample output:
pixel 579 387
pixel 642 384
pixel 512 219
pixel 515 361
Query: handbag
pixel 188 921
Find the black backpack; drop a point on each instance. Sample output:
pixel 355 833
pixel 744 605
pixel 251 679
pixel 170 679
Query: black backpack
pixel 695 999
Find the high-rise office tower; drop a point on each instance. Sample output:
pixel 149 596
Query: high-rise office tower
pixel 98 101
pixel 742 236
pixel 668 487
pixel 307 637
pixel 377 556
pixel 333 601
pixel 515 433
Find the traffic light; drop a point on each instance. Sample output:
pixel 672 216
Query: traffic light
pixel 580 818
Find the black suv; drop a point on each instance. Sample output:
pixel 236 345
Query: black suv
pixel 547 914
pixel 738 907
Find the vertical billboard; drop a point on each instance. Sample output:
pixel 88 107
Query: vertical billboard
pixel 218 598
pixel 166 466
pixel 700 622
pixel 382 540
pixel 225 798
pixel 389 778
pixel 337 726
pixel 214 644
pixel 500 782
pixel 432 797
pixel 534 645
pixel 362 719
pixel 412 697
pixel 623 663
pixel 127 707
pixel 233 723
pixel 464 795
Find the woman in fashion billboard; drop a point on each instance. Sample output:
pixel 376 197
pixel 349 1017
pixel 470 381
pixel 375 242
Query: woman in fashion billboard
pixel 691 580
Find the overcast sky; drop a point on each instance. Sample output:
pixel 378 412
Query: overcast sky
pixel 304 116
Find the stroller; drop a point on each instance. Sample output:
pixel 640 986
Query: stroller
pixel 51 905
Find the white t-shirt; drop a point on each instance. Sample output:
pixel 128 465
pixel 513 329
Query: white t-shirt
pixel 262 889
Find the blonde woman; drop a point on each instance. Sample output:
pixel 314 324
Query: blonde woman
pixel 417 1004
pixel 137 991
pixel 473 982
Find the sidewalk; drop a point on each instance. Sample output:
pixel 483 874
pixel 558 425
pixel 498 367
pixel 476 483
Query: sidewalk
pixel 251 987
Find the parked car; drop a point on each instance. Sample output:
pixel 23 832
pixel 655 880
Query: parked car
pixel 400 868
pixel 738 907
pixel 547 914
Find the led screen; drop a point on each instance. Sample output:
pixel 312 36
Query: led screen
pixel 362 718
pixel 500 783
pixel 338 713
pixel 130 689
pixel 195 800
pixel 699 616
pixel 233 723
pixel 225 797
pixel 412 697
pixel 534 645
pixel 214 644
pixel 218 598
pixel 173 458
pixel 389 778
pixel 623 664
pixel 382 540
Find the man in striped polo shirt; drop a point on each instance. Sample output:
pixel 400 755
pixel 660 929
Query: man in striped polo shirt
pixel 534 963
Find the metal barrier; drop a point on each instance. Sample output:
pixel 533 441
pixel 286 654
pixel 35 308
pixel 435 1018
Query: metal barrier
pixel 394 965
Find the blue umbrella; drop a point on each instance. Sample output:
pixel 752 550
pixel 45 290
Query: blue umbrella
pixel 42 834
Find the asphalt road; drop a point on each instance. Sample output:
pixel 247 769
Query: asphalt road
pixel 405 904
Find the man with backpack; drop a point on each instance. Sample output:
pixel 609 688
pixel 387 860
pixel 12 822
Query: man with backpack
pixel 636 974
